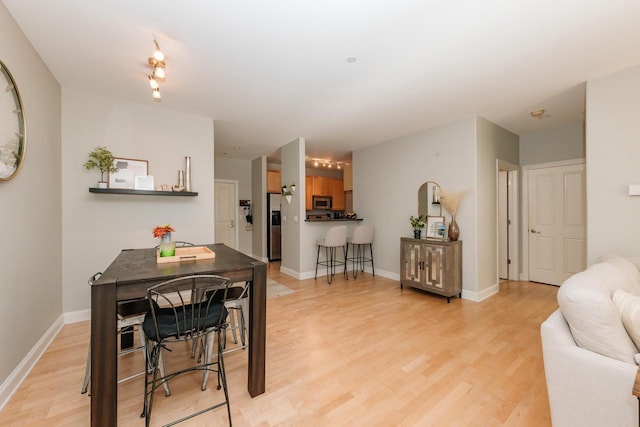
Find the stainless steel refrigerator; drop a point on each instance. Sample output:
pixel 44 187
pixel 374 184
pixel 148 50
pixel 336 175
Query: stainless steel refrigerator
pixel 274 240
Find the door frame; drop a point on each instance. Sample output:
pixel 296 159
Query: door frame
pixel 525 205
pixel 236 209
pixel 513 172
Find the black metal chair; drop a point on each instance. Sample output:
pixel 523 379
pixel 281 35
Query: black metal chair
pixel 189 308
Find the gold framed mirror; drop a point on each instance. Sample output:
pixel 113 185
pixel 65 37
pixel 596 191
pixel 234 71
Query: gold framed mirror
pixel 429 200
pixel 12 126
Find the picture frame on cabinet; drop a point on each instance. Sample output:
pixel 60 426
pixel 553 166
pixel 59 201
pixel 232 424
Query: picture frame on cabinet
pixel 128 169
pixel 436 228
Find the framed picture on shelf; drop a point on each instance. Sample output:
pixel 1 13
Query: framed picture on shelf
pixel 436 228
pixel 128 169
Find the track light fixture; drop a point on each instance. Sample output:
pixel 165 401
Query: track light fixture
pixel 329 164
pixel 157 62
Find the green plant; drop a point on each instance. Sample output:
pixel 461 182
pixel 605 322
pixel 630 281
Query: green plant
pixel 417 222
pixel 102 159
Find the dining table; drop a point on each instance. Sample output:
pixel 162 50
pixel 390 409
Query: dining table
pixel 129 276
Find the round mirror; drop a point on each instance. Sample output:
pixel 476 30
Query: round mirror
pixel 12 129
pixel 429 199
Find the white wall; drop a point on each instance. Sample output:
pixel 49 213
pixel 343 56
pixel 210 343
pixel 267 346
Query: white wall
pixel 613 162
pixel 494 143
pixel 562 143
pixel 97 226
pixel 259 197
pixel 238 170
pixel 30 209
pixel 293 214
pixel 386 179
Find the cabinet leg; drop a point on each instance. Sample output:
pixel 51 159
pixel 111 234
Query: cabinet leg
pixel 448 300
pixel 400 285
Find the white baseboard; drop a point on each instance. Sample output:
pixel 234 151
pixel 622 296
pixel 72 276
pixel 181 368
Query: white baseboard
pixel 482 295
pixel 13 381
pixel 77 316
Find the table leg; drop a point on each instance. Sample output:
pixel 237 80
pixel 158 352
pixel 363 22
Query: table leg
pixel 104 358
pixel 257 330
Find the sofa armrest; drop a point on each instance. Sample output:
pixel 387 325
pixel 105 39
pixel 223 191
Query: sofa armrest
pixel 634 260
pixel 585 388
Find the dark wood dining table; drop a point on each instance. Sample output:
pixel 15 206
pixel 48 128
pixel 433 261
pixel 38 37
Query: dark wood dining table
pixel 128 277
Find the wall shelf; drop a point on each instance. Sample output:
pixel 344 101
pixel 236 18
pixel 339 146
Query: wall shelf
pixel 142 192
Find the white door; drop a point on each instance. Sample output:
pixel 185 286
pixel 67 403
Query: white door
pixel 503 230
pixel 225 195
pixel 557 223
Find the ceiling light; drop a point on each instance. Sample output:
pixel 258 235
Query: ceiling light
pixel 158 72
pixel 157 54
pixel 351 59
pixel 539 114
pixel 315 163
pixel 153 83
pixel 158 64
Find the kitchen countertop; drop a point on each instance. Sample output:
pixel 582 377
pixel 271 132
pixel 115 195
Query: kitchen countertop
pixel 334 220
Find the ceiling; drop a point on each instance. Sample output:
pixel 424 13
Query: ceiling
pixel 271 71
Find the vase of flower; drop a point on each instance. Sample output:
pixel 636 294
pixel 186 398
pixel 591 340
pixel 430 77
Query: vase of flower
pixel 454 231
pixel 167 246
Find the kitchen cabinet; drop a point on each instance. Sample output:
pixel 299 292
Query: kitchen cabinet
pixel 337 194
pixel 308 190
pixel 321 186
pixel 274 183
pixel 431 265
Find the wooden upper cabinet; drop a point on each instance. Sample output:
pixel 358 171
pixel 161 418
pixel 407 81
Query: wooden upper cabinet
pixel 337 195
pixel 274 183
pixel 321 186
pixel 308 190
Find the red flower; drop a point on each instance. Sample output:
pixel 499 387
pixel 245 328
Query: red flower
pixel 162 230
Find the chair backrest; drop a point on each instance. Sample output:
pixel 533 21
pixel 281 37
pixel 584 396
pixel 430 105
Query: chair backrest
pixel 363 234
pixel 336 236
pixel 186 307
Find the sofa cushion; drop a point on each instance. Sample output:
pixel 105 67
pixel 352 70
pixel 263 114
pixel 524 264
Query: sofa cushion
pixel 585 302
pixel 627 275
pixel 629 307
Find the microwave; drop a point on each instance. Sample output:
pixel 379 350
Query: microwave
pixel 321 202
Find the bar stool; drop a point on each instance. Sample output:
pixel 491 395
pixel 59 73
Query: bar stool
pixel 333 239
pixel 362 236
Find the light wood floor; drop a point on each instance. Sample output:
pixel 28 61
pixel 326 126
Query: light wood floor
pixel 356 353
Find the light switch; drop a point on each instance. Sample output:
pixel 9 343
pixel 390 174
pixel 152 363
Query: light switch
pixel 634 189
pixel 284 218
pixel 295 218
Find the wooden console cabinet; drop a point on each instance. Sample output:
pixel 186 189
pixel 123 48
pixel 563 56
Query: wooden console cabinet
pixel 431 265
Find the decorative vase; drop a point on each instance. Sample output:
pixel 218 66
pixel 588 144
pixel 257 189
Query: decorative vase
pixel 417 233
pixel 187 174
pixel 167 247
pixel 454 231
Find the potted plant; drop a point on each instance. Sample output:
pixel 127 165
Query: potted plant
pixel 418 224
pixel 102 159
pixel 288 192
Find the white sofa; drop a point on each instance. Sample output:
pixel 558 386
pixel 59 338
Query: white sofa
pixel 589 354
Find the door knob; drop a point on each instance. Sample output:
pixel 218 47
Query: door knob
pixel 232 224
pixel 535 232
